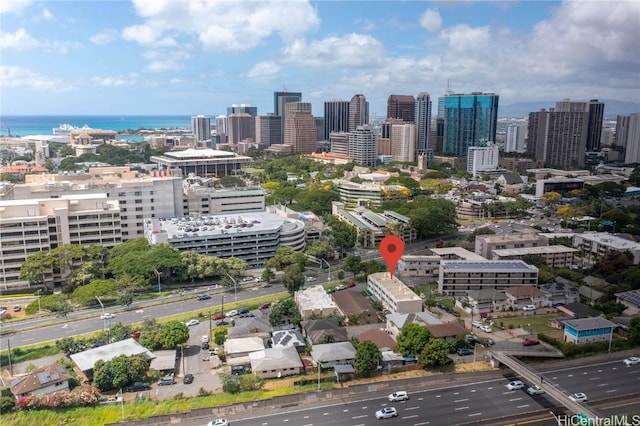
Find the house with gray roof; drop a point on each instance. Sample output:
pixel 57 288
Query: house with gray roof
pixel 318 330
pixel 396 321
pixel 250 327
pixel 560 291
pixel 630 299
pixel 332 354
pixel 276 362
pixel 41 381
pixel 86 360
pixel 288 338
pixel 588 330
pixel 486 300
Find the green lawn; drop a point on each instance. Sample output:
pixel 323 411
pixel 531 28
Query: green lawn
pixel 533 323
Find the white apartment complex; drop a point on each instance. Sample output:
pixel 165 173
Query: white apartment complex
pixel 29 226
pixel 419 266
pixel 556 256
pixel 482 158
pixel 597 244
pixel 314 302
pixel 459 276
pixel 486 244
pixel 394 295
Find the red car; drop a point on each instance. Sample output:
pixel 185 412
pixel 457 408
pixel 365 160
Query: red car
pixel 264 306
pixel 351 284
pixel 217 316
pixel 530 342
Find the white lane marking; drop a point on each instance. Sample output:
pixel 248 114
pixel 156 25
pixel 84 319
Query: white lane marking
pixel 508 392
pixel 346 410
pixel 554 377
pixel 421 423
pixel 461 400
pixel 569 375
pixel 490 387
pixel 522 406
pixel 358 417
pixel 611 390
pixel 410 417
pixel 599 371
pixel 438 396
pixel 411 408
pixel 420 399
pixel 594 378
pixel 585 373
pixel 473 390
pixel 475 414
pixel 456 393
pixel 603 384
pixel 515 399
pixel 461 408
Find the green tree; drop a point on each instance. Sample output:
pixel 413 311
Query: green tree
pixel 284 312
pixel 174 334
pixel 353 263
pixel 320 249
pixel 411 339
pixel 284 257
pixel 119 372
pixel 634 331
pixel 293 279
pixel 434 354
pixel 86 294
pixel 368 357
pixel 343 235
pixel 268 274
pixel 36 267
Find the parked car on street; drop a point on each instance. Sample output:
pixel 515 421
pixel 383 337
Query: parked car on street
pixel 138 386
pixel 192 322
pixel 529 308
pixel 188 379
pixel 231 313
pixel 166 380
pixel 464 351
pixel 530 342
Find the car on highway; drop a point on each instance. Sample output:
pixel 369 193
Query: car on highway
pixel 107 316
pixel 138 386
pixel 310 279
pixel 515 385
pixel 166 380
pixel 218 422
pixel 535 390
pixel 530 342
pixel 231 313
pixel 632 360
pixel 192 322
pixel 464 351
pixel 203 297
pixel 578 397
pixel 386 413
pixel 188 379
pixel 398 396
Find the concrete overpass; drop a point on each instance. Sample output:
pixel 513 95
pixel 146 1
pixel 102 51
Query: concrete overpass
pixel 535 378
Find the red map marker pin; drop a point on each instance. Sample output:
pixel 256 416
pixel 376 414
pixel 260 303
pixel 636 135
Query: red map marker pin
pixel 391 248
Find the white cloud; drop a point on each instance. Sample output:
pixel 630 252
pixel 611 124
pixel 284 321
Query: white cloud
pixel 20 40
pixel 431 20
pixel 165 65
pixel 351 50
pixel 11 76
pixel 176 81
pixel 462 37
pixel 13 6
pixel 263 70
pixel 114 81
pixel 141 34
pixel 105 36
pixel 46 14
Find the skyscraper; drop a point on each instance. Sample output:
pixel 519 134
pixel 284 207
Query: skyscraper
pixel 268 129
pixel 336 117
pixel 595 109
pixel 242 126
pixel 423 122
pixel 279 101
pixel 469 120
pixel 558 138
pixel 246 108
pixel 201 128
pixel 403 142
pixel 358 112
pixel 402 107
pixel 363 145
pixel 300 130
pixel 514 139
pixel 628 136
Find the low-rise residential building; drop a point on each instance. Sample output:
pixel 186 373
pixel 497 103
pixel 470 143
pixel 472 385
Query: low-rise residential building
pixel 486 300
pixel 396 321
pixel 457 277
pixel 354 306
pixel 486 244
pixel 394 295
pixel 329 355
pixel 318 330
pixel 520 296
pixel 86 360
pixel 419 266
pixel 276 362
pixel 288 337
pixel 368 194
pixel 630 299
pixel 596 244
pixel 315 302
pixel 560 292
pixel 447 331
pixel 41 381
pixel 588 330
pixel 240 348
pixel 556 256
pixel 456 253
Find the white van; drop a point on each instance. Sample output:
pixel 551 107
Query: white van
pixel 205 338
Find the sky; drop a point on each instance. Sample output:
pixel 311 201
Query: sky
pixel 186 57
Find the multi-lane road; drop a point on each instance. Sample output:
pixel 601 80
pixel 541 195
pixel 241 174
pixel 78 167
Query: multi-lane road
pixel 463 404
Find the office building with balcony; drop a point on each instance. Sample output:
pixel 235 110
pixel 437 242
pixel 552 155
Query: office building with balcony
pixel 368 194
pixel 394 295
pixel 419 266
pixel 251 236
pixel 363 145
pixel 482 158
pixel 30 226
pixel 457 277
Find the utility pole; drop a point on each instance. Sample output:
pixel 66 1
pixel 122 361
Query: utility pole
pixel 210 324
pixel 235 288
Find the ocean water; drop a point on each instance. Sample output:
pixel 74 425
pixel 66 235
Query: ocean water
pixel 23 125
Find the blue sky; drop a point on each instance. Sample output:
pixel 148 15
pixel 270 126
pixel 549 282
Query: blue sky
pixel 198 57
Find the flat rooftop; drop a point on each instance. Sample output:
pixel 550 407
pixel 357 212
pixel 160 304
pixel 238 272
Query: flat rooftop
pixel 487 265
pixel 535 250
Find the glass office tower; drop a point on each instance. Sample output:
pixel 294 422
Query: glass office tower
pixel 469 120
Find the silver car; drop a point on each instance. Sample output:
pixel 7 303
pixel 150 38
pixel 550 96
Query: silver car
pixel 386 413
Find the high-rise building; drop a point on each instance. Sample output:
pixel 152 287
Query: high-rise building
pixel 423 122
pixel 558 138
pixel 628 136
pixel 240 108
pixel 279 101
pixel 201 128
pixel 482 158
pixel 320 130
pixel 595 109
pixel 242 126
pixel 402 107
pixel 469 120
pixel 222 123
pixel 403 142
pixel 515 137
pixel 268 129
pixel 358 112
pixel 363 145
pixel 336 117
pixel 339 143
pixel 300 131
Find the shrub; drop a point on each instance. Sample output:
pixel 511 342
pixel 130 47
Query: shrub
pixel 84 396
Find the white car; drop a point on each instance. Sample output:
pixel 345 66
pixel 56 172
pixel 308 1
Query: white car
pixel 399 396
pixel 486 328
pixel 311 279
pixel 476 324
pixel 192 322
pixel 515 385
pixel 578 397
pixel 232 313
pixel 107 316
pixel 535 390
pixel 218 422
pixel 386 413
pixel 340 287
pixel 247 279
pixel 632 360
pixel 529 308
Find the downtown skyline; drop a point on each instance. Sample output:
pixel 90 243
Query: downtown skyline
pixel 198 57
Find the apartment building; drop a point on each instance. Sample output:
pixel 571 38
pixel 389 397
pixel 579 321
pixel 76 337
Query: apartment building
pixel 556 256
pixel 394 295
pixel 368 194
pixel 30 226
pixel 486 244
pixel 597 244
pixel 419 266
pixel 456 277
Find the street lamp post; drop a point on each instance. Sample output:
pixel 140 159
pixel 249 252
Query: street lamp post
pixel 475 348
pixel 157 274
pixel 210 324
pixel 235 288
pixel 319 367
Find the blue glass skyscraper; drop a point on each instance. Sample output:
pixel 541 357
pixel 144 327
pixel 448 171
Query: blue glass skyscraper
pixel 469 120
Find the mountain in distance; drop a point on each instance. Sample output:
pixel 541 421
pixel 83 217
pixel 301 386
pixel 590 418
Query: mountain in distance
pixel 612 108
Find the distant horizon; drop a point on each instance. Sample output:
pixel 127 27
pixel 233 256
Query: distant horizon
pixel 200 57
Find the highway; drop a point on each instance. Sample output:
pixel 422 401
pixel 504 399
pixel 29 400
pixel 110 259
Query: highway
pixel 460 404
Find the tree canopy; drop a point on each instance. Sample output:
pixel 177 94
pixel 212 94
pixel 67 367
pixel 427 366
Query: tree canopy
pixel 411 339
